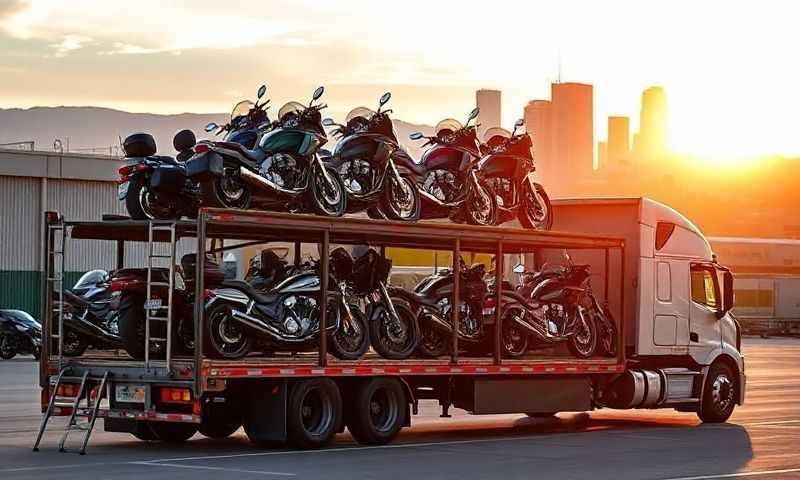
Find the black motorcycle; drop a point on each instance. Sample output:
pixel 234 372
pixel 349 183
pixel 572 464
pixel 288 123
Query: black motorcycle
pixel 284 172
pixel 507 165
pixel 248 122
pixel 450 184
pixel 90 315
pixel 156 186
pixel 373 166
pixel 556 305
pixel 19 334
pixel 238 316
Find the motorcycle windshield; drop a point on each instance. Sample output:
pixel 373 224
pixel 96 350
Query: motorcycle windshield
pixel 90 279
pixel 448 125
pixel 500 133
pixel 23 318
pixel 241 109
pixel 294 108
pixel 362 112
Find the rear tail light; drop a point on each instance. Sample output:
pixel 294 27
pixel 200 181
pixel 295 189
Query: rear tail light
pixel 175 395
pixel 208 294
pixel 201 148
pixel 125 284
pixel 127 170
pixel 490 302
pixel 68 390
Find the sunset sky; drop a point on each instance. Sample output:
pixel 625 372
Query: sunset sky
pixel 730 69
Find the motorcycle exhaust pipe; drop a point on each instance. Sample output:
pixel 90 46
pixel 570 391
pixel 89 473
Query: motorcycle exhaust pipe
pixel 269 330
pixel 437 322
pixel 261 182
pixel 87 328
pixel 533 329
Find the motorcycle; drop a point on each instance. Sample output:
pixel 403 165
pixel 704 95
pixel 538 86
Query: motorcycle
pixel 90 315
pixel 248 122
pixel 285 317
pixel 132 285
pixel 19 334
pixel 450 184
pixel 156 186
pixel 284 172
pixel 556 305
pixel 507 165
pixel 372 165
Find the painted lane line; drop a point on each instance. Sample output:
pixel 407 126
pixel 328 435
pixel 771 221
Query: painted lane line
pixel 223 469
pixel 738 475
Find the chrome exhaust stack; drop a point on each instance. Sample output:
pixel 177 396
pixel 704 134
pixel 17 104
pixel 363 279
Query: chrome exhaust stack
pixel 261 182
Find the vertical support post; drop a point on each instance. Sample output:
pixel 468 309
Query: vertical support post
pixel 120 254
pixel 622 320
pixel 607 276
pixel 199 304
pixel 297 247
pixel 455 309
pixel 383 251
pixel 499 265
pixel 47 304
pixel 323 313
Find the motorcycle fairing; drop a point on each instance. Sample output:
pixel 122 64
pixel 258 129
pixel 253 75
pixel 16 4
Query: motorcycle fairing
pixel 300 142
pixel 447 157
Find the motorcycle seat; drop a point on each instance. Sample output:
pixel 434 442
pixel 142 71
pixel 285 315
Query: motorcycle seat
pixel 255 155
pixel 163 159
pixel 413 297
pixel 403 159
pixel 257 295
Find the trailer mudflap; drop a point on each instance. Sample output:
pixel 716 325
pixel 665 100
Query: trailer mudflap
pixel 532 395
pixel 265 411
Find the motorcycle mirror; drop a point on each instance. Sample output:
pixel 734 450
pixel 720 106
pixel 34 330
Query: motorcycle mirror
pixel 211 127
pixel 519 123
pixel 473 114
pixel 519 268
pixel 328 122
pixel 318 93
pixel 261 91
pixel 385 98
pixel 416 136
pixel 567 257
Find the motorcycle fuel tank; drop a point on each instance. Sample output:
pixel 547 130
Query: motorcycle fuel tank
pixel 447 157
pixel 500 165
pixel 304 282
pixel 369 147
pixel 246 138
pixel 291 141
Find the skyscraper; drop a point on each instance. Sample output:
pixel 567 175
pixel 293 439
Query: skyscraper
pixel 602 155
pixel 539 125
pixel 618 140
pixel 573 130
pixel 653 122
pixel 488 101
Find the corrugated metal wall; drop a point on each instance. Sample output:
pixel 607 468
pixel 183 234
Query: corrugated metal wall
pixel 20 237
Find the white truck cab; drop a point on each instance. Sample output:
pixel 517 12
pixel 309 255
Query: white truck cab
pixel 677 298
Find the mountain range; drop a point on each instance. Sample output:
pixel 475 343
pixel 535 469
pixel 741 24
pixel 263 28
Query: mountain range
pixel 98 130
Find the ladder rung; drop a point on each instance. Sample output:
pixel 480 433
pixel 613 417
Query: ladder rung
pixel 160 256
pixel 157 339
pixel 64 403
pixel 55 279
pixel 159 284
pixel 160 319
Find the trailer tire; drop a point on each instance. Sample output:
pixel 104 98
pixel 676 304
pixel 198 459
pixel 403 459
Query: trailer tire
pixel 378 411
pixel 219 428
pixel 173 432
pixel 719 394
pixel 313 413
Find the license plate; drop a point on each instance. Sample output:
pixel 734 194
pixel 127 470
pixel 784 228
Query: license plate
pixel 122 190
pixel 152 304
pixel 130 393
pixel 488 311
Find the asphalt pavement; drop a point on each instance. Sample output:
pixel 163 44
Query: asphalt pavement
pixel 762 439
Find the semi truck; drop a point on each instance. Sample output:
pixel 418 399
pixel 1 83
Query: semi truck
pixel 654 271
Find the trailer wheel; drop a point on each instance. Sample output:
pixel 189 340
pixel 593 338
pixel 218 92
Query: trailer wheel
pixel 313 413
pixel 221 420
pixel 719 394
pixel 378 411
pixel 173 432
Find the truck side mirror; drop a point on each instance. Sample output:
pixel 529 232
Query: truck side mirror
pixel 727 292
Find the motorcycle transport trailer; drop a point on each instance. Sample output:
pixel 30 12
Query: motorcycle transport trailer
pixel 305 398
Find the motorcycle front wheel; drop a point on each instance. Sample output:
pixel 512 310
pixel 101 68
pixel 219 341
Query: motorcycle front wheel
pixel 583 342
pixel 481 206
pixel 350 342
pixel 401 202
pixel 536 212
pixel 226 191
pixel 514 338
pixel 142 204
pixel 393 338
pixel 8 348
pixel 327 196
pixel 432 342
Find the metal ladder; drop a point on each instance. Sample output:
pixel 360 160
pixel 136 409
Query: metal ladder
pixel 55 281
pixel 90 411
pixel 152 308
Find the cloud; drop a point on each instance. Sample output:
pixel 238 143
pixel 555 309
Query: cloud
pixel 68 44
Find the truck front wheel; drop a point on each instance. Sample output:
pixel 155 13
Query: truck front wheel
pixel 313 413
pixel 719 394
pixel 378 411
